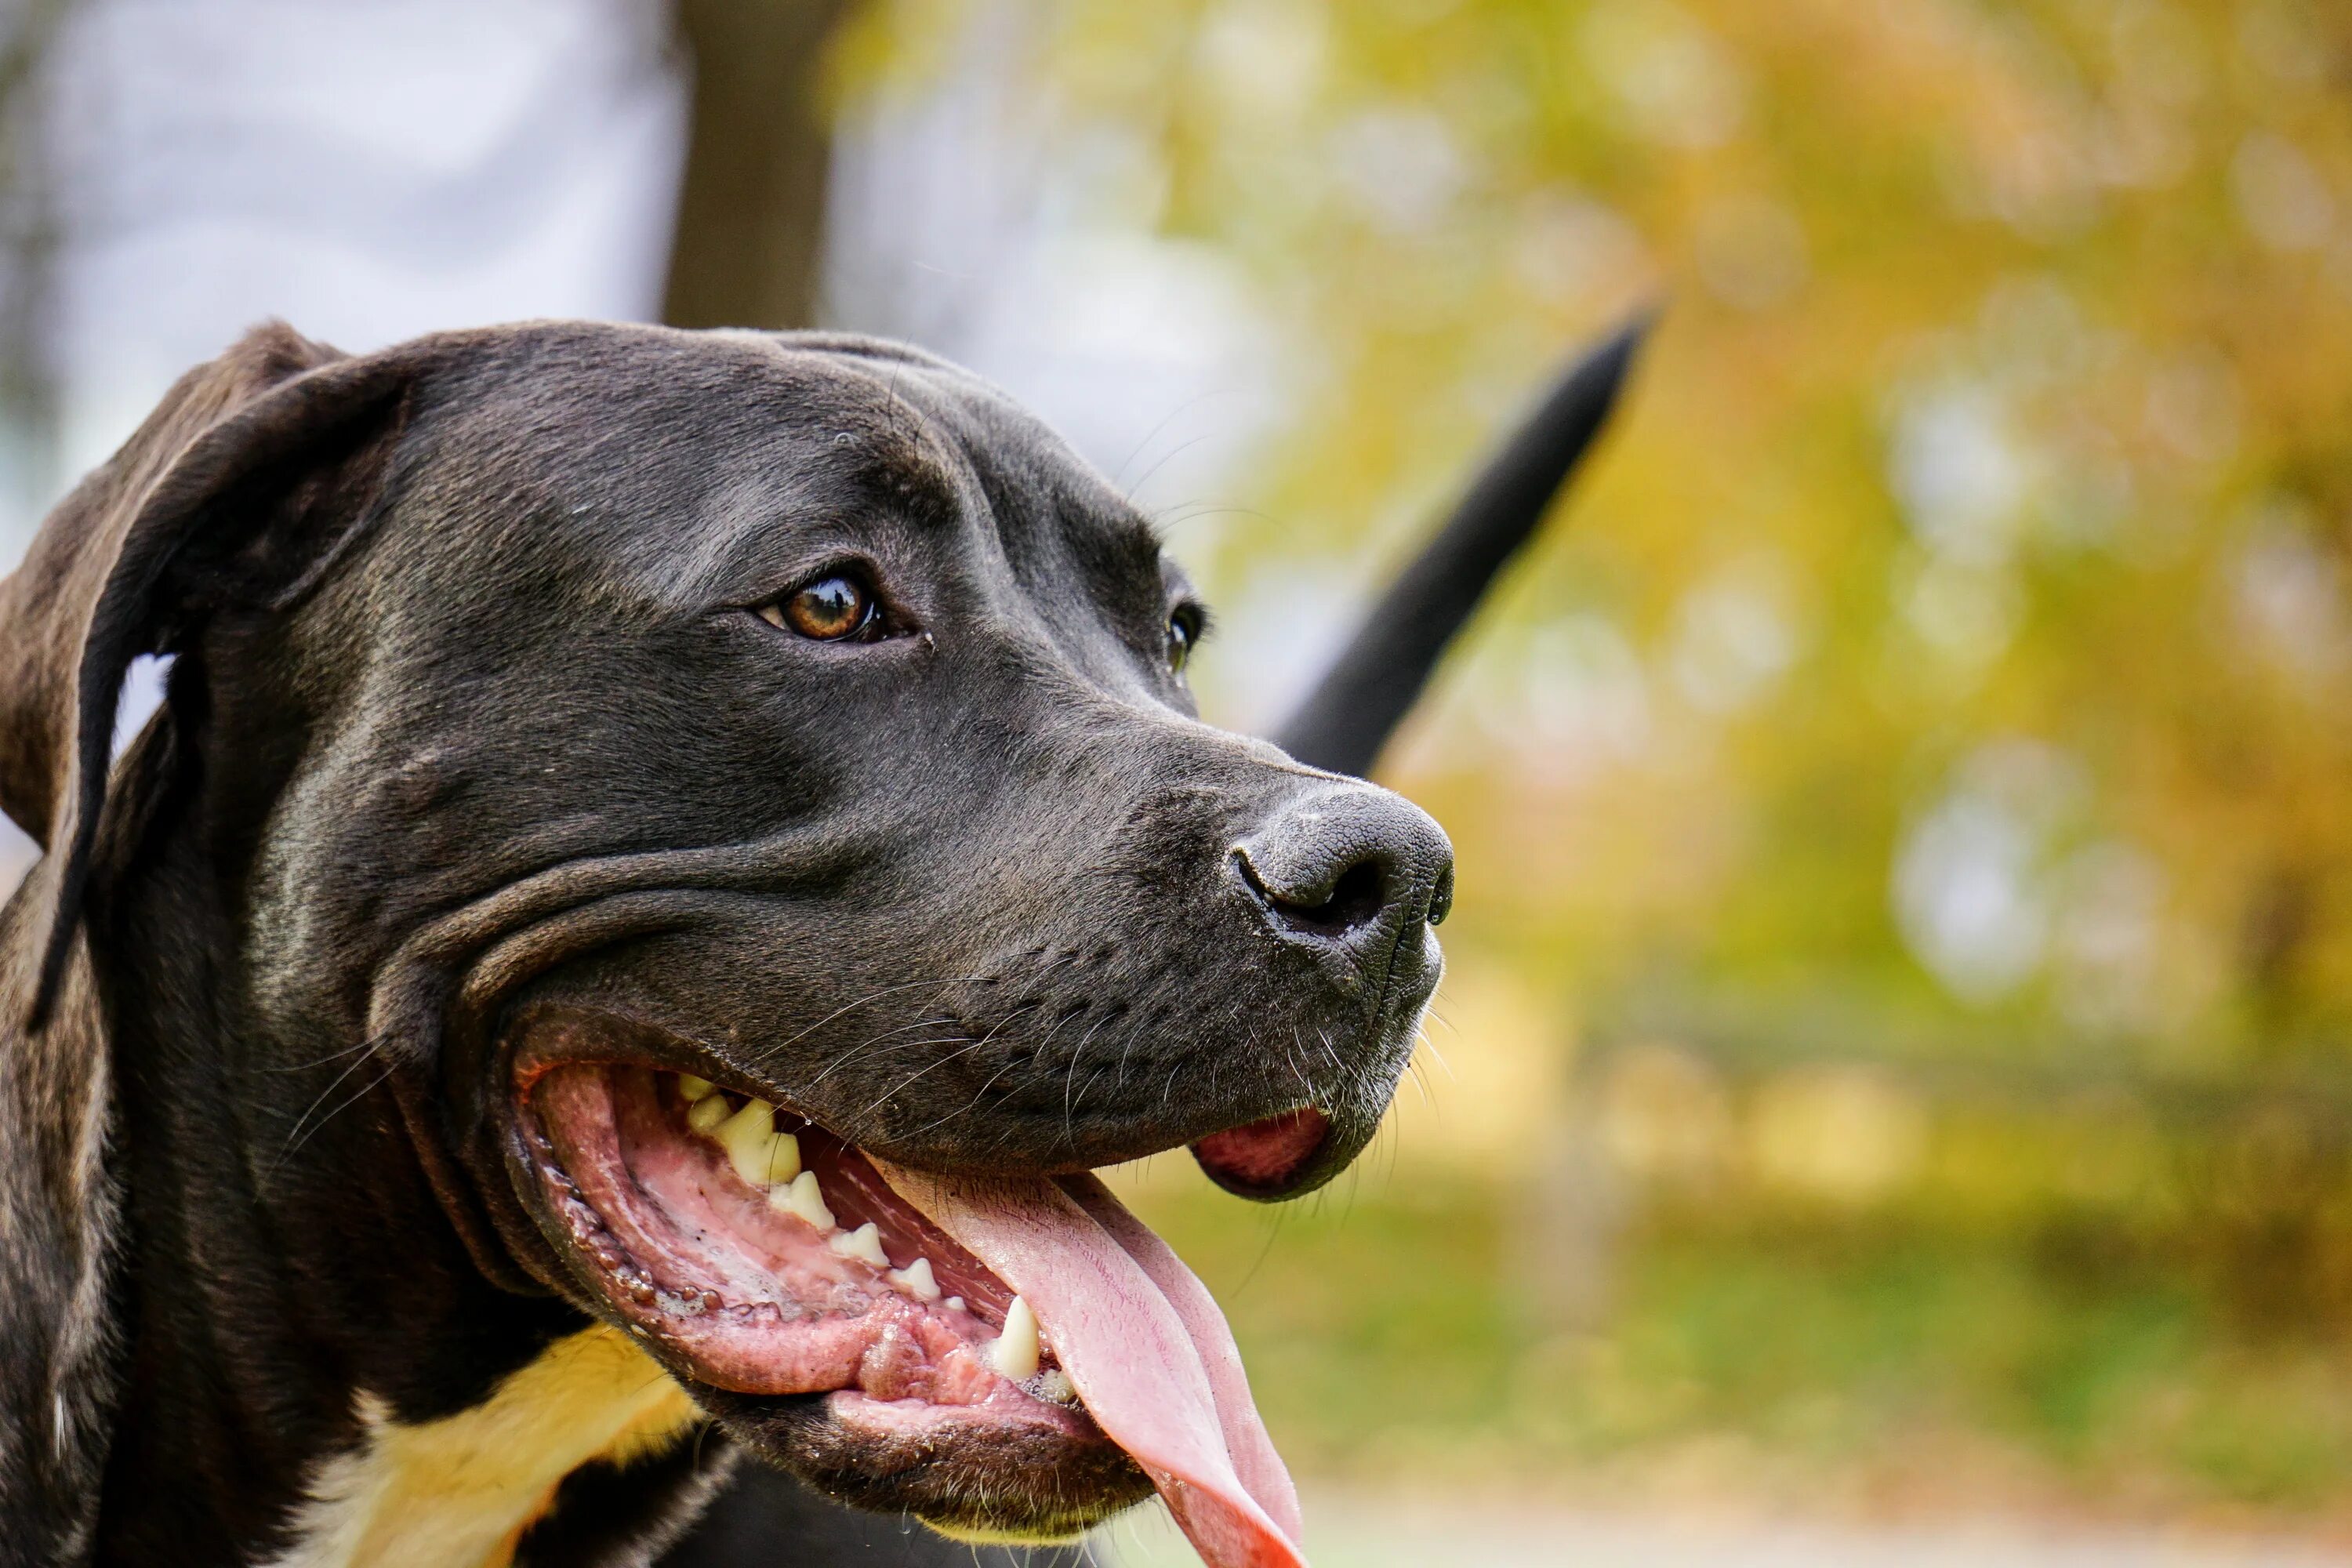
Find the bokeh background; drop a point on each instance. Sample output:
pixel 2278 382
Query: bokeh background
pixel 1891 1072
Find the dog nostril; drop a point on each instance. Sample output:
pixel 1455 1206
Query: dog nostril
pixel 1343 864
pixel 1355 899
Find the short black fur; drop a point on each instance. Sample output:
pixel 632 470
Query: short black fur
pixel 473 730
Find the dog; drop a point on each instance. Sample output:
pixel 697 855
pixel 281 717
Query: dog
pixel 1342 725
pixel 664 861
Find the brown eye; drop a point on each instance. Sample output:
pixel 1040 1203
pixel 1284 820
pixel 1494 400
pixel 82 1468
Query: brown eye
pixel 1183 631
pixel 826 610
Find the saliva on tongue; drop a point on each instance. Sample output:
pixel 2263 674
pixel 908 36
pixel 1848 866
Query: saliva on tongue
pixel 1142 1342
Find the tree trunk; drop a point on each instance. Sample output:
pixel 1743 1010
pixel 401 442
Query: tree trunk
pixel 749 242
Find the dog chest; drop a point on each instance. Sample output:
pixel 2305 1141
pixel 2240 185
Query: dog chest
pixel 461 1490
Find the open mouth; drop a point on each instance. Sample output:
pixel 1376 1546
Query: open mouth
pixel 1004 1355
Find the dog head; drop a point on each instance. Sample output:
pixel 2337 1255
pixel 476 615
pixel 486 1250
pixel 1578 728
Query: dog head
pixel 734 801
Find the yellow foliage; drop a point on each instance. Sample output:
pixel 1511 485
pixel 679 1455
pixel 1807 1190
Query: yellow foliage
pixel 2001 401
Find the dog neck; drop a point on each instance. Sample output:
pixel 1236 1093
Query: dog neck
pixel 310 1363
pixel 461 1490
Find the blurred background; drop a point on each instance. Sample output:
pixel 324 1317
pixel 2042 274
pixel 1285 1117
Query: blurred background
pixel 1888 1101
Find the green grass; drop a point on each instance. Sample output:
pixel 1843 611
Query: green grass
pixel 1391 1334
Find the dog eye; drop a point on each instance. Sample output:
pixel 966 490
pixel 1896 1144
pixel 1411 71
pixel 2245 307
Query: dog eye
pixel 1183 635
pixel 826 610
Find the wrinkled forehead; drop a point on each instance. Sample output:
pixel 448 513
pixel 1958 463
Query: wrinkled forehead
pixel 670 458
pixel 1059 522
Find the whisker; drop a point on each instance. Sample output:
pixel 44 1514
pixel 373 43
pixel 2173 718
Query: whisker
pixel 367 1048
pixel 367 1044
pixel 1070 1106
pixel 870 1041
pixel 294 1146
pixel 976 1097
pixel 903 1084
pixel 1190 403
pixel 1176 450
pixel 877 997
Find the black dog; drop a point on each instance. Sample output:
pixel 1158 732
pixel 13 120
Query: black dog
pixel 1342 725
pixel 582 740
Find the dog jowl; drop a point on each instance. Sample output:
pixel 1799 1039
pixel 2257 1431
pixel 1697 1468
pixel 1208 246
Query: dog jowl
pixel 666 861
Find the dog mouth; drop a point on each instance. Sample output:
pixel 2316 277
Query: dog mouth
pixel 1002 1357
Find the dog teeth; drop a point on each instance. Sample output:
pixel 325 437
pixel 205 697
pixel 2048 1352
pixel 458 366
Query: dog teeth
pixel 752 1142
pixel 801 1198
pixel 916 1280
pixel 953 1303
pixel 705 1114
pixel 1054 1386
pixel 692 1089
pixel 783 1165
pixel 865 1242
pixel 1014 1353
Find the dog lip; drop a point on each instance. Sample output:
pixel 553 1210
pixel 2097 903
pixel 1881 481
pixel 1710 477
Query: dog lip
pixel 551 1039
pixel 1264 1159
pixel 800 1350
pixel 632 1196
pixel 958 1476
pixel 684 1217
pixel 533 1061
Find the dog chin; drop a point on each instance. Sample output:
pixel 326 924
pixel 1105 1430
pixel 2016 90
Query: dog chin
pixel 829 1323
pixel 976 1473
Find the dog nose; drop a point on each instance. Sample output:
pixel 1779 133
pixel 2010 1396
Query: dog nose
pixel 1349 866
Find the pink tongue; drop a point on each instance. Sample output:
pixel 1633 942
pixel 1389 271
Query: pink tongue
pixel 1145 1347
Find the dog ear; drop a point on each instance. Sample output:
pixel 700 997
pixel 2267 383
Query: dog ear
pixel 246 481
pixel 239 489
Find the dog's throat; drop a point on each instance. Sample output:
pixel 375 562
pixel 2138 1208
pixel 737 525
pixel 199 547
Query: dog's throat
pixel 463 1489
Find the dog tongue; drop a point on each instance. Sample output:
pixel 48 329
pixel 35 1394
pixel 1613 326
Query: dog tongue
pixel 1143 1343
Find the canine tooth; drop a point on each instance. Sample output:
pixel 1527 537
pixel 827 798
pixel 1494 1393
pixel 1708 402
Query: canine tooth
pixel 705 1114
pixel 953 1303
pixel 801 1198
pixel 749 1137
pixel 1014 1353
pixel 916 1279
pixel 783 1159
pixel 865 1242
pixel 692 1089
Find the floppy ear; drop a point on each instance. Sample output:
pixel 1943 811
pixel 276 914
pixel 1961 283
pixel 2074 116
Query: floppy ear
pixel 238 485
pixel 239 490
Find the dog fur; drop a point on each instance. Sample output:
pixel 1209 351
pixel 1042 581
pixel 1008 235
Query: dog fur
pixel 470 743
